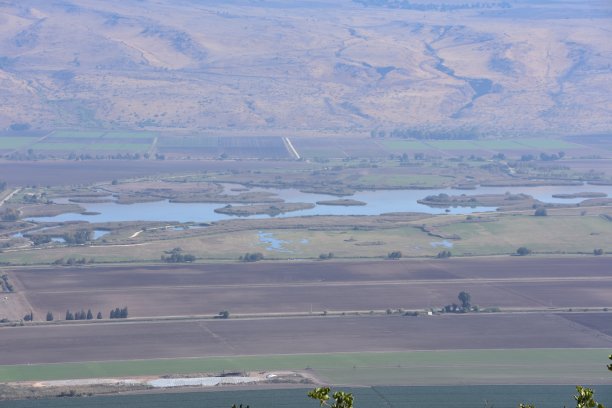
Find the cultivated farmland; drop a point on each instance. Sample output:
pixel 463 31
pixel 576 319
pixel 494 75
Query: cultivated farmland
pixel 155 291
pixel 438 396
pixel 235 147
pixel 274 336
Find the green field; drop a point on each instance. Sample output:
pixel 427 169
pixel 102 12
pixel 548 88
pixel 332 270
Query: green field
pixel 517 366
pixel 191 141
pixel 100 134
pixel 546 235
pixel 551 396
pixel 551 234
pixel 534 144
pixel 89 147
pixel 547 144
pixel 129 135
pixel 77 134
pixel 403 181
pixel 10 142
pixel 403 145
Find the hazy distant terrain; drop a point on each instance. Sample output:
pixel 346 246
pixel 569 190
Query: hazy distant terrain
pixel 510 68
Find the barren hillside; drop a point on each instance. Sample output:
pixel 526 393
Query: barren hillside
pixel 346 67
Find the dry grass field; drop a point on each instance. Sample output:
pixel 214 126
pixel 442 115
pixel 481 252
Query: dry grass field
pixel 307 68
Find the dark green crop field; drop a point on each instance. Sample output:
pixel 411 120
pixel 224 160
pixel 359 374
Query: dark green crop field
pixel 409 397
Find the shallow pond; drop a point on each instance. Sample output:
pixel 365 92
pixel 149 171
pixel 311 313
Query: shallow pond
pixel 443 244
pixel 378 202
pixel 99 233
pixel 274 244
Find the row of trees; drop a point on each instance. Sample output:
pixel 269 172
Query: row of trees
pixel 5 285
pixel 81 236
pixel 33 155
pixel 119 313
pixel 82 315
pixel 251 257
pixel 73 261
pixel 177 256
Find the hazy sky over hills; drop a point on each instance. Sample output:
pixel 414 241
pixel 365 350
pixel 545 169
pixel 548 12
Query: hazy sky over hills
pixel 496 67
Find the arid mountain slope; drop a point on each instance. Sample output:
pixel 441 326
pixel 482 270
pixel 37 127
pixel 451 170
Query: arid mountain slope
pixel 498 68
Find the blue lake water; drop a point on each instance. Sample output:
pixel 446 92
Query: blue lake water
pixel 378 202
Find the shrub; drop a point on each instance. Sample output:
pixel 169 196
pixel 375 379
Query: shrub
pixel 522 251
pixel 394 255
pixel 540 212
pixel 252 257
pixel 224 314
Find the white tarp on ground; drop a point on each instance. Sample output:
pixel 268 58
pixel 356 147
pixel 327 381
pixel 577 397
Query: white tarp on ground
pixel 201 381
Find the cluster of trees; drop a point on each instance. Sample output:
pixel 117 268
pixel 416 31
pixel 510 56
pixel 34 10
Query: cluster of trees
pixel 40 239
pixel 2 185
pixel 420 134
pixel 438 198
pixel 251 257
pixel 177 256
pixel 73 261
pixel 19 127
pixel 29 317
pixel 551 157
pixel 119 313
pixel 543 156
pixel 444 254
pixel 35 198
pixel 328 255
pixel 10 214
pixel 466 304
pixel 6 286
pixel 82 315
pixel 394 255
pixel 598 252
pixel 78 237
